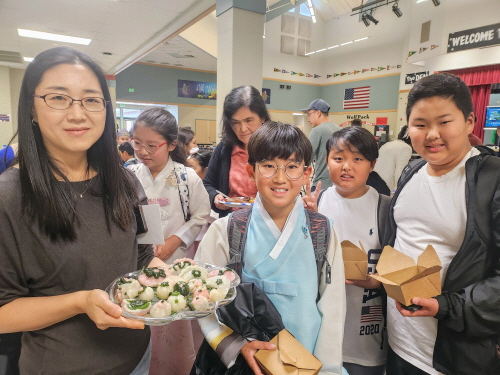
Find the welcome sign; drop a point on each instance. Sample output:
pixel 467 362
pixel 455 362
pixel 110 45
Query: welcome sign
pixel 474 38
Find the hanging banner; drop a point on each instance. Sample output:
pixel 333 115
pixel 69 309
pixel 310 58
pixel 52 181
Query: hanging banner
pixel 197 90
pixel 474 38
pixel 414 77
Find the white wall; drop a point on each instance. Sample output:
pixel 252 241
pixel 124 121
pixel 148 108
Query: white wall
pixel 6 130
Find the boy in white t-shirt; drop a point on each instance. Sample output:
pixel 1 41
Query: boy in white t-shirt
pixel 450 200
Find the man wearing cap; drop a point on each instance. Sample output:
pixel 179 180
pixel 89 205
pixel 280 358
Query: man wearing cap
pixel 322 129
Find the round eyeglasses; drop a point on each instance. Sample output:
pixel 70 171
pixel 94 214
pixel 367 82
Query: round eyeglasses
pixel 150 149
pixel 61 101
pixel 293 170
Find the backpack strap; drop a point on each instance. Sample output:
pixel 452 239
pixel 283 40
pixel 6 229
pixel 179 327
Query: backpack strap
pixel 382 214
pixel 319 197
pixel 319 228
pixel 237 234
pixel 410 169
pixel 182 185
pixel 487 181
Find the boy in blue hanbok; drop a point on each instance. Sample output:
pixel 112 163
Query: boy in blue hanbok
pixel 278 255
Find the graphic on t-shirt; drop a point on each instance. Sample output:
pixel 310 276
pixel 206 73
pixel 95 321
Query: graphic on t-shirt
pixel 373 256
pixel 371 232
pixel 371 314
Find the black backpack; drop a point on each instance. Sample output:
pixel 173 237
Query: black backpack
pixel 319 228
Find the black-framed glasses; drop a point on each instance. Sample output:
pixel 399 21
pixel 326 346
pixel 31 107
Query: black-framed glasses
pixel 61 101
pixel 293 170
pixel 150 149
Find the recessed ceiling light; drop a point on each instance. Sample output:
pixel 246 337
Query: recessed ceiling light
pixel 28 59
pixel 54 37
pixel 343 44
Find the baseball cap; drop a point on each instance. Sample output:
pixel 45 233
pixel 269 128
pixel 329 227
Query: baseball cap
pixel 318 104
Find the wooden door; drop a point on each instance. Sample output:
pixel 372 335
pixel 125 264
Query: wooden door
pixel 206 132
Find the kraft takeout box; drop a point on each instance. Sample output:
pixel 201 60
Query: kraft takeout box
pixel 289 358
pixel 355 261
pixel 403 279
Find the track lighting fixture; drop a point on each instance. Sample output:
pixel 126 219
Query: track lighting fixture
pixel 396 10
pixel 365 20
pixel 371 18
pixel 436 2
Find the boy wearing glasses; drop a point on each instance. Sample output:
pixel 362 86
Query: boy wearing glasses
pixel 278 255
pixel 322 129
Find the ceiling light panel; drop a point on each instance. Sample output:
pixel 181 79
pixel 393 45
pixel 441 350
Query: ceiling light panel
pixel 53 37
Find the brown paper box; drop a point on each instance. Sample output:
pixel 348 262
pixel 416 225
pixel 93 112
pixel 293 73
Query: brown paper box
pixel 355 261
pixel 289 358
pixel 403 279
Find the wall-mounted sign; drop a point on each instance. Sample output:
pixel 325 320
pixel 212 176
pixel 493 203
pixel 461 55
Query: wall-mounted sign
pixel 266 95
pixel 474 38
pixel 196 90
pixel 361 117
pixel 414 77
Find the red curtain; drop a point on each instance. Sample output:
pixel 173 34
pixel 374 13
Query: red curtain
pixel 480 100
pixel 479 80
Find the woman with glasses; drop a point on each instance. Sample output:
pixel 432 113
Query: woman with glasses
pixel 68 226
pixel 244 112
pixel 183 205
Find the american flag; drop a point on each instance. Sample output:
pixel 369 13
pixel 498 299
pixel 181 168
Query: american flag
pixel 358 97
pixel 371 314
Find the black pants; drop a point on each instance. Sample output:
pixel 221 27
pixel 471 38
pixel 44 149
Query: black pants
pixel 398 366
pixel 10 350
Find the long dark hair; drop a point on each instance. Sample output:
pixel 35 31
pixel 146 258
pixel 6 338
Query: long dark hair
pixel 163 122
pixel 243 96
pixel 46 200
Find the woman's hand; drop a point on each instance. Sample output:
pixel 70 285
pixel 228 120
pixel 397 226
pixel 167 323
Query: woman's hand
pixel 171 244
pixel 220 197
pixel 248 352
pixel 368 283
pixel 311 199
pixel 104 313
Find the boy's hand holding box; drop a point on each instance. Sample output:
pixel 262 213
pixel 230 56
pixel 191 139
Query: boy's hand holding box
pixel 289 358
pixel 355 261
pixel 403 279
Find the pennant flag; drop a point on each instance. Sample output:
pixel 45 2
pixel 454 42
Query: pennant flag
pixel 356 72
pixel 285 71
pixel 423 49
pixel 411 53
pixel 349 73
pixel 335 75
pixel 316 76
pixel 343 74
pixel 293 73
pixel 398 67
pixel 277 70
pixel 374 69
pixel 380 68
pixel 434 46
pixel 301 74
pixel 308 75
pixel 356 98
pixel 389 67
pixel 365 70
pixel 329 76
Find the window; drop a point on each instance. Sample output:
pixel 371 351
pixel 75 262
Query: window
pixel 304 10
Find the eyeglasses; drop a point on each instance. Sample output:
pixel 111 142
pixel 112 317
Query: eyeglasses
pixel 61 101
pixel 293 170
pixel 310 113
pixel 150 149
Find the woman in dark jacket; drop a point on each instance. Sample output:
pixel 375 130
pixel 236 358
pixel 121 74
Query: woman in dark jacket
pixel 244 112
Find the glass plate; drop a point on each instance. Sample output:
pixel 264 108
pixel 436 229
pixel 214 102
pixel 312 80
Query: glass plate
pixel 180 315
